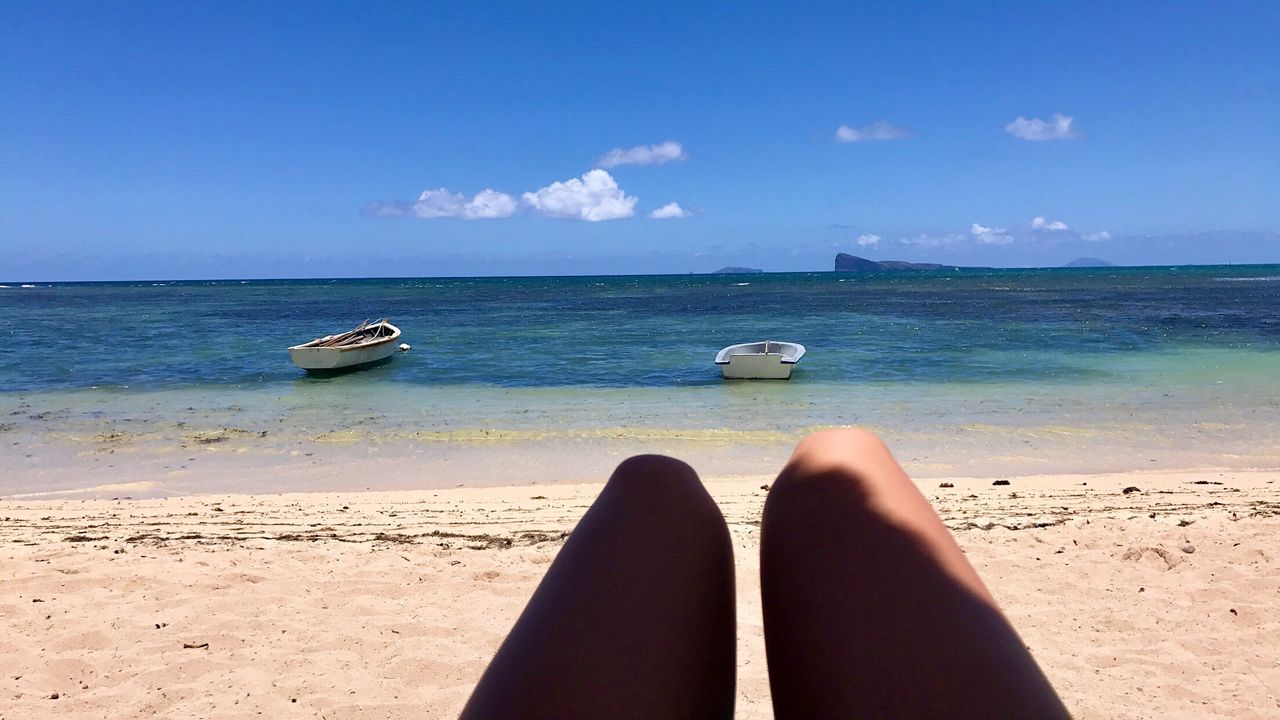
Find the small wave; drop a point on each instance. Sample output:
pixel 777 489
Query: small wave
pixel 1263 278
pixel 137 490
pixel 28 286
pixel 741 284
pixel 601 433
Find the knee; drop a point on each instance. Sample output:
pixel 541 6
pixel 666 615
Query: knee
pixel 840 441
pixel 842 455
pixel 667 495
pixel 646 471
pixel 659 479
pixel 848 447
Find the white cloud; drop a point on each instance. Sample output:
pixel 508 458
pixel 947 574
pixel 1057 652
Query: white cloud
pixel 868 239
pixel 1039 223
pixel 925 240
pixel 990 236
pixel 381 209
pixel 879 130
pixel 1040 230
pixel 489 204
pixel 594 197
pixel 1059 127
pixel 643 155
pixel 440 203
pixel 670 211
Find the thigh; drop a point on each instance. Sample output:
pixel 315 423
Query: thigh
pixel 870 607
pixel 634 619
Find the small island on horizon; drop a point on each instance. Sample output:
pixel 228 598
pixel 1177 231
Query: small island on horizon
pixel 852 263
pixel 735 270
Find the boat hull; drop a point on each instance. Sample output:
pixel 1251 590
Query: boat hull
pixel 768 360
pixel 757 367
pixel 320 359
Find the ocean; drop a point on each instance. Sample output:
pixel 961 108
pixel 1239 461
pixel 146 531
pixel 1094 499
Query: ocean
pixel 973 372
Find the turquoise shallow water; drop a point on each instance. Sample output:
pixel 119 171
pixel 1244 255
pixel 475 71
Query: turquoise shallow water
pixel 646 331
pixel 974 372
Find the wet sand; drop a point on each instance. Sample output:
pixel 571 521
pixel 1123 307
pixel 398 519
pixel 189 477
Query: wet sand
pixel 1156 602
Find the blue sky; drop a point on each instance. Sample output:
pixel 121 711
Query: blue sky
pixel 154 140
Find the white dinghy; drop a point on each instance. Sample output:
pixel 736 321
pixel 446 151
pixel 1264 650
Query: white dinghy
pixel 771 360
pixel 368 343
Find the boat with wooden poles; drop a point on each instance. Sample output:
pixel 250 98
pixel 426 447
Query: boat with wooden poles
pixel 365 344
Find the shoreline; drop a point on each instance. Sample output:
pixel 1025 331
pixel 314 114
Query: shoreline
pixel 934 487
pixel 46 465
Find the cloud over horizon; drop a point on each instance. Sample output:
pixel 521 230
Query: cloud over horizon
pixel 1039 223
pixel 659 154
pixel 879 130
pixel 1059 127
pixel 932 240
pixel 1039 231
pixel 989 236
pixel 593 197
pixel 670 211
pixel 441 203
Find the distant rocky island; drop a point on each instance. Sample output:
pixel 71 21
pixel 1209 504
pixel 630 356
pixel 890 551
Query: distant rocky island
pixel 852 263
pixel 734 270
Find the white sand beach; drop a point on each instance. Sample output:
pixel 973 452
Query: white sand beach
pixel 1156 602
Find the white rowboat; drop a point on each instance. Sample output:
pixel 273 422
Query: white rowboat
pixel 366 344
pixel 771 360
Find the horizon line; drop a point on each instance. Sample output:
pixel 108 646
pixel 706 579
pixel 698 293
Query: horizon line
pixel 17 284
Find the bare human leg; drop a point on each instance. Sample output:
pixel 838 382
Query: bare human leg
pixel 870 607
pixel 634 619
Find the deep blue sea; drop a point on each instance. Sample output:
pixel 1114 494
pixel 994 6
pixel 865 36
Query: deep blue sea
pixel 1062 369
